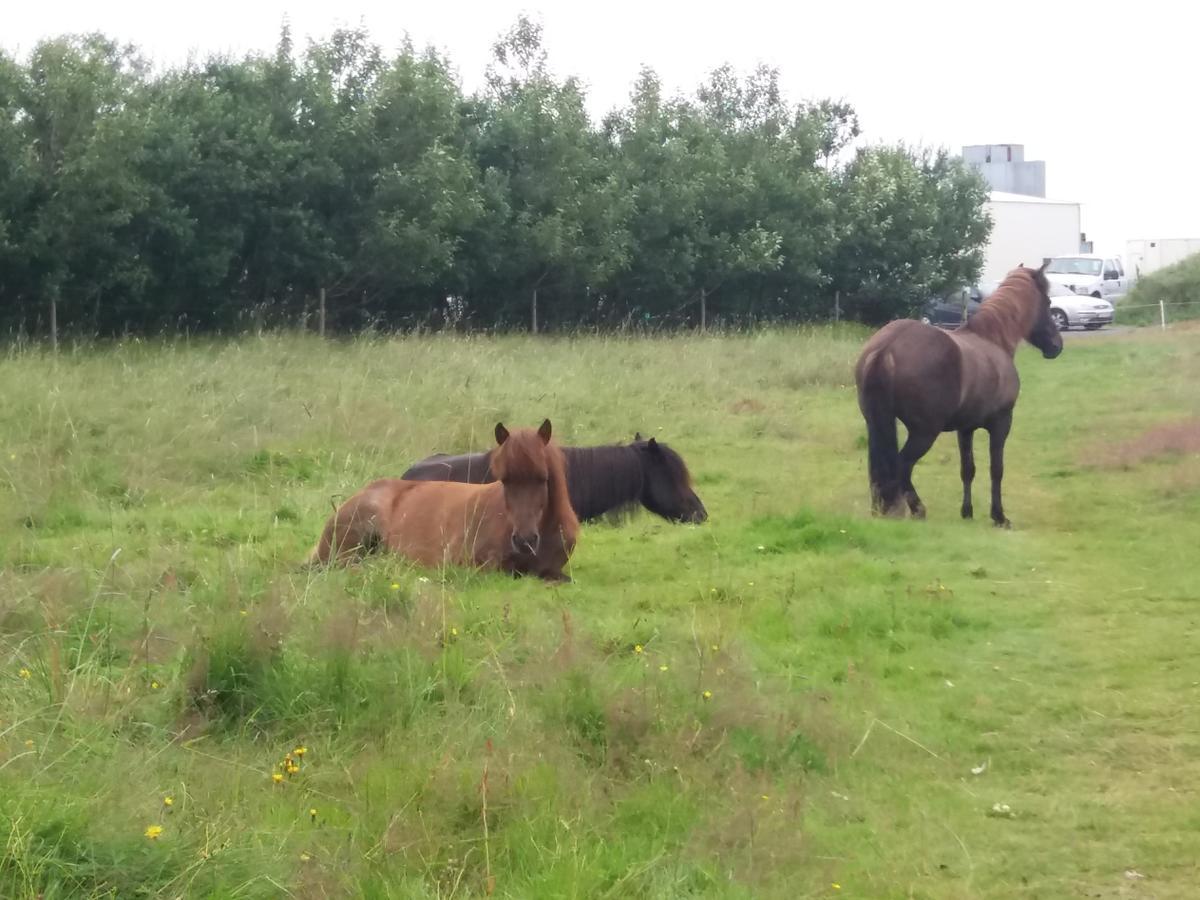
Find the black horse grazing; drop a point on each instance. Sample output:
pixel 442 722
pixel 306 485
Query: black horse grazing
pixel 600 480
pixel 935 381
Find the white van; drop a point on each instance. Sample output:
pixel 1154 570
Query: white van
pixel 1089 274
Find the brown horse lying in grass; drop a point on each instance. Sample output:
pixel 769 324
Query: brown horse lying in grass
pixel 522 523
pixel 962 380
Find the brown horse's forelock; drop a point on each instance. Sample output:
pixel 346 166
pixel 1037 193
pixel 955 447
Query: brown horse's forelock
pixel 1008 315
pixel 525 457
pixel 522 457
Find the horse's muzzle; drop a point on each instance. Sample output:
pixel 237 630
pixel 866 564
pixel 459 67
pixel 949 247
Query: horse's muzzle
pixel 526 543
pixel 1052 352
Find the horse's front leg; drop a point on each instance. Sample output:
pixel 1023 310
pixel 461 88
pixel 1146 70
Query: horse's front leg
pixel 998 430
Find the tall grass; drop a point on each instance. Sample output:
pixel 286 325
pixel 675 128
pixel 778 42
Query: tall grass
pixel 790 697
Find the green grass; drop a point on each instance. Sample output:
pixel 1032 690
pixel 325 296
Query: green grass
pixel 1176 286
pixel 155 500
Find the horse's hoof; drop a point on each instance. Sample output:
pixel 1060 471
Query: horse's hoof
pixel 1002 523
pixel 919 513
pixel 968 513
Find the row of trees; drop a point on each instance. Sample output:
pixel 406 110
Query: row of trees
pixel 236 192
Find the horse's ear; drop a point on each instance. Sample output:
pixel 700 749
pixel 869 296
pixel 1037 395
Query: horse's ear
pixel 501 433
pixel 1042 267
pixel 1020 265
pixel 544 431
pixel 637 436
pixel 652 444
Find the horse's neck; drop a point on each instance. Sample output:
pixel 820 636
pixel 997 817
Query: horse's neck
pixel 601 479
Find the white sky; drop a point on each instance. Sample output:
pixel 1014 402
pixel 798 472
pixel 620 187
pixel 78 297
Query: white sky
pixel 1107 94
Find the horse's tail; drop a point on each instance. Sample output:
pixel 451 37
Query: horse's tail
pixel 877 402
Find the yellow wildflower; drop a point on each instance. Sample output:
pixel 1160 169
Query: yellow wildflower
pixel 292 769
pixel 304 857
pixel 153 832
pixel 300 751
pixel 276 777
pixel 25 673
pixel 168 801
pixel 836 886
pixel 29 744
pixel 715 648
pixel 312 814
pixel 154 685
pixel 395 587
pixel 662 668
pixel 707 695
pixel 453 632
pixel 637 648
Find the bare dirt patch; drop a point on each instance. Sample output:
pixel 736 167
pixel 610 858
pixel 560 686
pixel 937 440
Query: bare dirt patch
pixel 1170 439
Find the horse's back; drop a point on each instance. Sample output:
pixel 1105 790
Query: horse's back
pixel 436 522
pixel 471 468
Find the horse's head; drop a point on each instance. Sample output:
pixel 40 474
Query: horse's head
pixel 1043 334
pixel 666 483
pixel 521 463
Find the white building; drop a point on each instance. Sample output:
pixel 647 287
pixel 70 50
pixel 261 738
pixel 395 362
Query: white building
pixel 1026 227
pixel 1145 256
pixel 1026 230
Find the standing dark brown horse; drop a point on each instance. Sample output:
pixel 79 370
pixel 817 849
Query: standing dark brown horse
pixel 935 381
pixel 522 523
pixel 600 480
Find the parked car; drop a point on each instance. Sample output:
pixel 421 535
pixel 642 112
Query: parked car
pixel 1089 275
pixel 1068 308
pixel 947 311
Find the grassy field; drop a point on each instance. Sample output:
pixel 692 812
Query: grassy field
pixel 792 700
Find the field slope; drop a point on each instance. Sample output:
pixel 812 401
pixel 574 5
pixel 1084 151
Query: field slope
pixel 792 700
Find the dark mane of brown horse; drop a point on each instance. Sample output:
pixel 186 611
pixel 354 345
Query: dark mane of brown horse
pixel 1007 315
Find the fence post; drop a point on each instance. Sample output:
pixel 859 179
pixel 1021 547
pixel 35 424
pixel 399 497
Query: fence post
pixel 1162 313
pixel 703 310
pixel 54 320
pixel 837 307
pixel 321 315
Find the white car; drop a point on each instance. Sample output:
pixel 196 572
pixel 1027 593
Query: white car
pixel 1089 275
pixel 1069 308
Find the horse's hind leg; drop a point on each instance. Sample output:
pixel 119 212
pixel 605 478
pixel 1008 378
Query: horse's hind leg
pixel 915 447
pixel 966 452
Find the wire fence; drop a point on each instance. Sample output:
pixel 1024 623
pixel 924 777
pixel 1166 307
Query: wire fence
pixel 1161 306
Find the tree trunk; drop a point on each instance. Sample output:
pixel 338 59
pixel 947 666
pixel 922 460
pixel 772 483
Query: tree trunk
pixel 321 315
pixel 703 309
pixel 533 310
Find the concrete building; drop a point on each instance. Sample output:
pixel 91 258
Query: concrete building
pixel 1005 168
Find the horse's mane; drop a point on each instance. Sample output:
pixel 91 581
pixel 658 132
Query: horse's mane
pixel 1007 316
pixel 604 479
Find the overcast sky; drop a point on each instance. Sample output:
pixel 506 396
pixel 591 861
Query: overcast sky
pixel 1106 94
